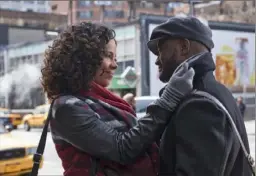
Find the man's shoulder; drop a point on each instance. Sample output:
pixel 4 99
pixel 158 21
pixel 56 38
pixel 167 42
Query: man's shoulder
pixel 195 104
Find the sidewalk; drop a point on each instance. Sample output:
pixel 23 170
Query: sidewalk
pixel 250 128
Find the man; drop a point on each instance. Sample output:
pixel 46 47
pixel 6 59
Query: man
pixel 130 98
pixel 241 105
pixel 199 140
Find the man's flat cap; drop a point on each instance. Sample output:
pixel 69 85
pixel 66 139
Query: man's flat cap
pixel 181 27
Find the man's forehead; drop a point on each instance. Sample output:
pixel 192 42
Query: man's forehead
pixel 168 42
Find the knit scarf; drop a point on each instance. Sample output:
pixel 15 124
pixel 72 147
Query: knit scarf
pixel 98 92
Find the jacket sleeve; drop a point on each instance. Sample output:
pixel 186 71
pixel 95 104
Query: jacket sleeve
pixel 202 146
pixel 80 126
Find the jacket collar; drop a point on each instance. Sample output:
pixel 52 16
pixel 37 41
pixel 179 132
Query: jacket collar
pixel 203 64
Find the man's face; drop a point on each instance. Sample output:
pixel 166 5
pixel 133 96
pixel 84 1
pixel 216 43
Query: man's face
pixel 168 58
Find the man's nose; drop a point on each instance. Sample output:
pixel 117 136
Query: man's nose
pixel 157 62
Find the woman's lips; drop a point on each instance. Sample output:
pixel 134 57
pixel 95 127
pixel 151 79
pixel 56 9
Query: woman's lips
pixel 111 74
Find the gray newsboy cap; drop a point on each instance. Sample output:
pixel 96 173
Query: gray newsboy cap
pixel 181 27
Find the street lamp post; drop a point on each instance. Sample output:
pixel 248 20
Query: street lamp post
pixel 132 10
pixel 191 8
pixel 71 11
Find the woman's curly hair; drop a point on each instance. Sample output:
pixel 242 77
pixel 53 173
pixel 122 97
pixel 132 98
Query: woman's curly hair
pixel 71 62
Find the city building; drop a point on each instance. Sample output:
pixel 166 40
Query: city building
pixel 11 35
pixel 14 57
pixel 32 19
pixel 114 12
pixel 27 6
pixel 125 80
pixel 19 27
pixel 229 11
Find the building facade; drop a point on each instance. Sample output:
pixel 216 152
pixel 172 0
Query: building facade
pixel 11 35
pixel 15 60
pixel 32 19
pixel 113 12
pixel 26 6
pixel 127 58
pixel 14 56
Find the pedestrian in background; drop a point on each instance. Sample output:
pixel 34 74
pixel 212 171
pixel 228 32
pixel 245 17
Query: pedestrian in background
pixel 241 105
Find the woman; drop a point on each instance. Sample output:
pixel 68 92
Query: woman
pixel 94 131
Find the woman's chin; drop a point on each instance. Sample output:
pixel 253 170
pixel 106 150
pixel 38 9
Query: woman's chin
pixel 104 83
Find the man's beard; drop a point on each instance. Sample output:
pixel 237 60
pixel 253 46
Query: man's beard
pixel 168 70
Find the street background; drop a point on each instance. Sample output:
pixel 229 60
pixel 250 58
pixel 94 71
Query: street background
pixel 52 164
pixel 29 27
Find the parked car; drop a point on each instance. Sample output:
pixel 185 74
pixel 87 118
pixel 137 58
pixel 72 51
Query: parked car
pixel 16 154
pixel 37 118
pixel 142 104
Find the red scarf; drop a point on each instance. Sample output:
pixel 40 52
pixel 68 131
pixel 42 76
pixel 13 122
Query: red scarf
pixel 105 95
pixel 144 165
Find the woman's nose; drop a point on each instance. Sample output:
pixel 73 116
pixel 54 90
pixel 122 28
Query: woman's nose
pixel 114 65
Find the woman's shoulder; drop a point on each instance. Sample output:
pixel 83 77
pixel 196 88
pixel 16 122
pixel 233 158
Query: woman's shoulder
pixel 70 104
pixel 71 100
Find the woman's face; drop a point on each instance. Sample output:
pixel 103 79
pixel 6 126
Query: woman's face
pixel 108 66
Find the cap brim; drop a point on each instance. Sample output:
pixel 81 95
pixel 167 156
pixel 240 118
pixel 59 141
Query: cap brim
pixel 152 45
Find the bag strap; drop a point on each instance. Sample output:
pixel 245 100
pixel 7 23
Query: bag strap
pixel 41 146
pixel 249 158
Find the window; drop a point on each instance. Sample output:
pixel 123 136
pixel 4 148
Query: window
pixel 85 15
pixel 30 10
pixel 84 3
pixel 129 63
pixel 147 5
pixel 36 59
pixel 41 10
pixel 1 64
pixel 129 46
pixel 172 5
pixel 41 2
pixel 114 13
pixel 141 4
pixel 123 65
pixel 106 3
pixel 29 2
pixel 156 5
pixel 119 69
pixel 117 3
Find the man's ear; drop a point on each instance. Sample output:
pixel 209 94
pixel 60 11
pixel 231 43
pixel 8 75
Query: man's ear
pixel 185 47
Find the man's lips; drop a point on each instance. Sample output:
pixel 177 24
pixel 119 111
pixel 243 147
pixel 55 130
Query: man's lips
pixel 160 69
